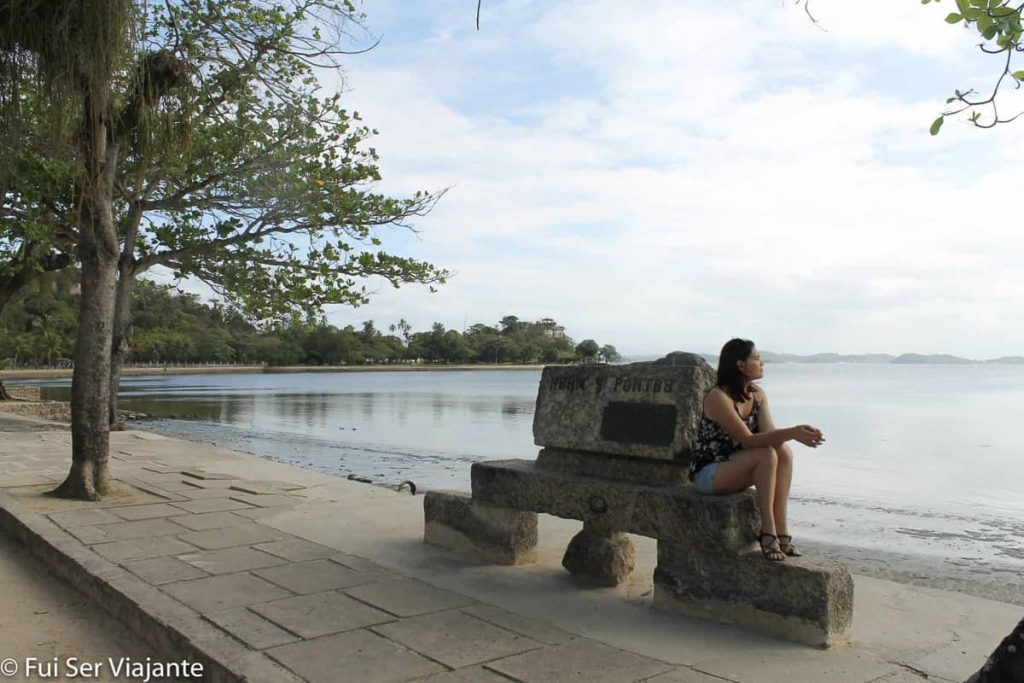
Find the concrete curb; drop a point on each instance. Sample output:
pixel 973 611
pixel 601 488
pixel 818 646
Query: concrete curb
pixel 174 631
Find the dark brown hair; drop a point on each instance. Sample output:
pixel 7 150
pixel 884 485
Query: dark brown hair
pixel 730 379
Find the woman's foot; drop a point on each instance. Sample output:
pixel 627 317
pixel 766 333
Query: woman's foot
pixel 786 546
pixel 771 550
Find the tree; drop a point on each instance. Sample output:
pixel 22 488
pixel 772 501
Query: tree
pixel 72 55
pixel 608 354
pixel 509 324
pixel 203 146
pixel 587 348
pixel 270 203
pixel 402 327
pixel 998 22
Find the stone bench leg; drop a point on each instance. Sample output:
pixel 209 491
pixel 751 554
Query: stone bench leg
pixel 477 531
pixel 608 556
pixel 803 599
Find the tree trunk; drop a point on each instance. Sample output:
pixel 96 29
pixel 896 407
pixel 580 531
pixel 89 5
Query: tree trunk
pixel 119 346
pixel 123 308
pixel 4 395
pixel 98 253
pixel 1006 665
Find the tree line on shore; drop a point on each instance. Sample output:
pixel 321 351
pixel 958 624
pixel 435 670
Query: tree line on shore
pixel 38 329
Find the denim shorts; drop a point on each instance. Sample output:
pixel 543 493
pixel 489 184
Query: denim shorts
pixel 704 482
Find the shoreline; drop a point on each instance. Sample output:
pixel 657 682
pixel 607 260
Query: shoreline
pixel 983 579
pixel 140 371
pixel 993 581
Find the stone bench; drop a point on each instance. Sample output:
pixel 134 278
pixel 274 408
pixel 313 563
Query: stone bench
pixel 708 563
pixel 614 451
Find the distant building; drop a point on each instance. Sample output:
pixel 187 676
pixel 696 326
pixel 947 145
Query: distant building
pixel 552 329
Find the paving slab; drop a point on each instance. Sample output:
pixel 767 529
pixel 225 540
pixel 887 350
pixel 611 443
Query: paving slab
pixel 91 534
pixel 355 656
pixel 315 576
pixel 10 480
pixel 168 482
pixel 408 597
pixel 218 504
pixel 530 628
pixel 231 560
pixel 297 550
pixel 124 531
pixel 684 675
pixel 580 661
pixel 200 473
pixel 205 494
pixel 141 512
pixel 258 513
pixel 210 484
pixel 275 484
pixel 907 676
pixel 321 614
pixel 957 662
pixel 264 501
pixel 456 639
pixel 162 469
pixel 255 488
pixel 220 593
pixel 76 518
pixel 367 567
pixel 161 570
pixel 246 533
pixel 207 520
pixel 834 666
pixel 251 628
pixel 143 548
pixel 474 674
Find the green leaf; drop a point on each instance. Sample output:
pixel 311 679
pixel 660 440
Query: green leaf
pixel 953 18
pixel 937 125
pixel 1019 75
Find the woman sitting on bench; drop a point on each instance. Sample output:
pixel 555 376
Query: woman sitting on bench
pixel 737 445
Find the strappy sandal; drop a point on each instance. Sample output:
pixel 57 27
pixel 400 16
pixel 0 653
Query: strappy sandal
pixel 771 550
pixel 786 546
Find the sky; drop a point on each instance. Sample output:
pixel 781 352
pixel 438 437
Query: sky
pixel 663 175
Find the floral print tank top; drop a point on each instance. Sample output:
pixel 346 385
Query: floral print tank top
pixel 713 444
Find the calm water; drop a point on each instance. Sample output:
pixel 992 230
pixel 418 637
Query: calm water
pixel 919 459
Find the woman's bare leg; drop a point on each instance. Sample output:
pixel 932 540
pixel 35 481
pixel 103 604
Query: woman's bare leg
pixel 755 466
pixel 783 479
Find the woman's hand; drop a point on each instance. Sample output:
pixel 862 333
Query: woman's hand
pixel 808 435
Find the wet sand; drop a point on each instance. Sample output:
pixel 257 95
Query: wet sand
pixel 1003 583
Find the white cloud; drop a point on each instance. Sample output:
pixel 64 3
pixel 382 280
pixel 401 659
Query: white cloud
pixel 668 176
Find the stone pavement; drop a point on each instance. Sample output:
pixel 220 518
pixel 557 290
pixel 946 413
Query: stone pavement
pixel 265 572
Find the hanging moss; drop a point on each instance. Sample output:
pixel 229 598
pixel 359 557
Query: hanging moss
pixel 60 51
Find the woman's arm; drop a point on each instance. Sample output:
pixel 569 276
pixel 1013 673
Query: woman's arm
pixel 719 407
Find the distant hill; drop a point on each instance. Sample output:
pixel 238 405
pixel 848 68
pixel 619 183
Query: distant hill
pixel 931 359
pixel 770 357
pixel 883 358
